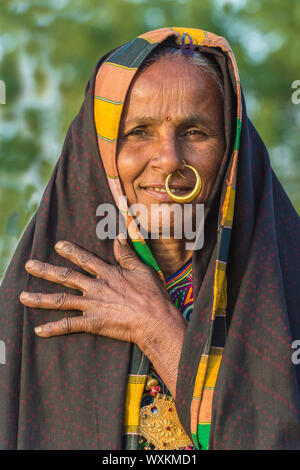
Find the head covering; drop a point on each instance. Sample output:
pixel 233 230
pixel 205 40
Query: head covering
pixel 71 392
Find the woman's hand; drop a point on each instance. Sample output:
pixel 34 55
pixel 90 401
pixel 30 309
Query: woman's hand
pixel 126 302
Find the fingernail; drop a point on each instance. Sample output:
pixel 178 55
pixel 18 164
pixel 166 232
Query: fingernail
pixel 122 238
pixel 30 263
pixel 38 329
pixel 24 295
pixel 59 245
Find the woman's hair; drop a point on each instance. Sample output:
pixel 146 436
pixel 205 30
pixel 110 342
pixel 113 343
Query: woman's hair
pixel 198 59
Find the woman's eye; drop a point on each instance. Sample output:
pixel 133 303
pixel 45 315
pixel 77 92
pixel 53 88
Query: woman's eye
pixel 136 132
pixel 195 132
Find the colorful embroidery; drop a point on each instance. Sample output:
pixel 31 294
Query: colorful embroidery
pixel 180 288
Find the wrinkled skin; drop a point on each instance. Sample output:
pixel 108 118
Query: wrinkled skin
pixel 150 147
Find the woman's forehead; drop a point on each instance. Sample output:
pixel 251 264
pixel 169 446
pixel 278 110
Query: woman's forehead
pixel 171 87
pixel 175 72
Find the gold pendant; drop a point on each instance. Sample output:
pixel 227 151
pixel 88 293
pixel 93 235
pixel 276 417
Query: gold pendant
pixel 160 425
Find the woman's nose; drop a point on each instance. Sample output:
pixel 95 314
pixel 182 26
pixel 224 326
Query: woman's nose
pixel 167 155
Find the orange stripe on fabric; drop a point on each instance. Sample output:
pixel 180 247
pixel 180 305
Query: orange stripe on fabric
pixel 198 387
pixel 121 79
pixel 237 78
pixel 157 35
pixel 206 406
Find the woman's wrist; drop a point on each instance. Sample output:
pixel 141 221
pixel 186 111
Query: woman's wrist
pixel 162 344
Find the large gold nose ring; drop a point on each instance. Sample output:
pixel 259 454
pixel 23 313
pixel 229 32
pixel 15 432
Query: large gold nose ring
pixel 189 196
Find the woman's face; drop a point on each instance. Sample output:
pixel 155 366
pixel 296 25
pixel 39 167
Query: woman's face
pixel 173 112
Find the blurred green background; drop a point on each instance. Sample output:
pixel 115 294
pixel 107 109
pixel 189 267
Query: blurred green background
pixel 48 50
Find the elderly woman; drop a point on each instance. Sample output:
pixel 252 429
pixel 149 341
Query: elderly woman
pixel 177 346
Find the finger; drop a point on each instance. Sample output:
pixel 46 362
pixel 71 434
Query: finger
pixel 61 275
pixel 125 255
pixel 59 301
pixel 64 326
pixel 83 258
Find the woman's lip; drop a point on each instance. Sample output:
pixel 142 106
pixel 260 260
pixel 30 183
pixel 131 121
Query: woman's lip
pixel 164 197
pixel 163 186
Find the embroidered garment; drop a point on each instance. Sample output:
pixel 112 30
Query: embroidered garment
pixel 180 288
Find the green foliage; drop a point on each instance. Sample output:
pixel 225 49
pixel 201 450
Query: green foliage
pixel 49 50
